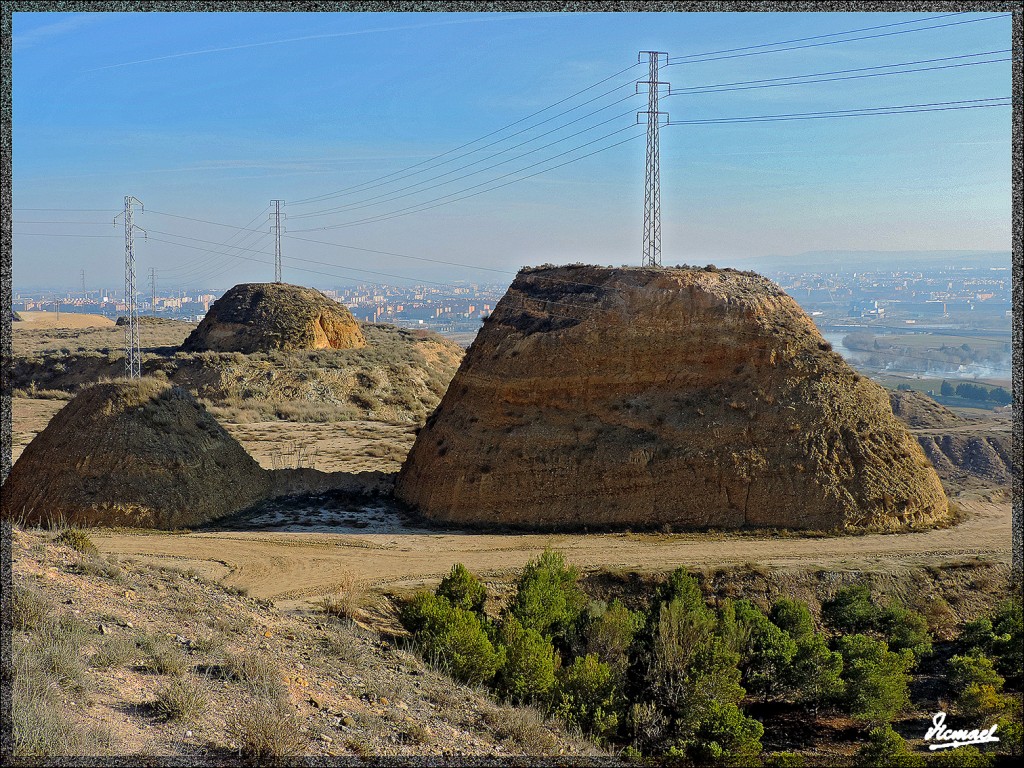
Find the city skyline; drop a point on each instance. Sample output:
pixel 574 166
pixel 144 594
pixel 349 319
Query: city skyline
pixel 225 112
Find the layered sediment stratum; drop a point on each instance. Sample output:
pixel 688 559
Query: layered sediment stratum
pixel 637 397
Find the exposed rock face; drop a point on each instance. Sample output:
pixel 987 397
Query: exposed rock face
pixel 136 453
pixel 260 317
pixel 644 397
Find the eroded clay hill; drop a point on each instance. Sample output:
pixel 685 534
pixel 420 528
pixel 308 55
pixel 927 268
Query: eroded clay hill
pixel 139 453
pixel 262 317
pixel 634 397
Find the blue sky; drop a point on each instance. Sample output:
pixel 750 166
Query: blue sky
pixel 210 116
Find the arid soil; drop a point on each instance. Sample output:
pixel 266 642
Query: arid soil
pixel 131 633
pixel 294 568
pixel 39 320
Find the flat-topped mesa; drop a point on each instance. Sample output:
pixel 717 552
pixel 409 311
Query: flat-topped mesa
pixel 262 317
pixel 636 397
pixel 134 453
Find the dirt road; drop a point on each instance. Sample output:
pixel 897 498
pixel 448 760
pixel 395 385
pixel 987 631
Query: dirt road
pixel 295 568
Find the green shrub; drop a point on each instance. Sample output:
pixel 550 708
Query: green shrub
pixel 784 760
pixel 876 678
pixel 973 669
pixel 961 757
pixel 452 638
pixel 905 629
pixel 548 597
pixel 463 589
pixel 587 697
pixel 887 749
pixel 794 618
pixel 765 651
pixel 77 539
pixel 528 670
pixel 722 733
pixel 850 610
pixel 1000 636
pixel 610 634
pixel 815 675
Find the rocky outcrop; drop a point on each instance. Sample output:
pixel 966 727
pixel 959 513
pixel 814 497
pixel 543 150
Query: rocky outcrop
pixel 139 453
pixel 261 317
pixel 633 397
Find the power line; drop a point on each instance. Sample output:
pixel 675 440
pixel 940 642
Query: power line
pixel 830 42
pixel 768 83
pixel 388 197
pixel 325 196
pixel 428 204
pixel 819 37
pixel 900 109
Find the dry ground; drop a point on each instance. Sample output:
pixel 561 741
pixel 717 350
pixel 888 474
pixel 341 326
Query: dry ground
pixel 39 320
pixel 293 569
pixel 128 658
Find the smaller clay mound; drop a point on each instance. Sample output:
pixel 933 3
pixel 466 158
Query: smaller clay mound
pixel 261 317
pixel 919 411
pixel 138 453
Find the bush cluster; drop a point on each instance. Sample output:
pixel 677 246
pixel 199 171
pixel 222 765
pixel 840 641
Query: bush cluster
pixel 675 681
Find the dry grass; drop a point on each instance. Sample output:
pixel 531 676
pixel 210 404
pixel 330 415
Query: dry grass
pixel 163 655
pixel 523 727
pixel 266 732
pixel 345 601
pixel 113 652
pixel 29 608
pixel 181 699
pixel 256 670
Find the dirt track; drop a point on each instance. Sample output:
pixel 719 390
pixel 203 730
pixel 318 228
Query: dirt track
pixel 293 568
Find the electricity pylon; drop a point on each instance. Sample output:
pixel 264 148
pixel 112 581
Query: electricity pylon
pixel 277 238
pixel 652 177
pixel 132 356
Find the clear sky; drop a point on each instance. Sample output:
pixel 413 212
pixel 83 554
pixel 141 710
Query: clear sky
pixel 210 116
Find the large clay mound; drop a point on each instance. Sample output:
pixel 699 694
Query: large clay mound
pixel 138 453
pixel 634 397
pixel 260 317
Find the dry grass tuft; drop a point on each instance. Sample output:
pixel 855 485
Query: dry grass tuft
pixel 163 655
pixel 266 732
pixel 256 670
pixel 181 699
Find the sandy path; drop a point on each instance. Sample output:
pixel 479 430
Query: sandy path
pixel 293 568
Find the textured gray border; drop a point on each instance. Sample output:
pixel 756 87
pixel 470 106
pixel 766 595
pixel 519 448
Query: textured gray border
pixel 298 5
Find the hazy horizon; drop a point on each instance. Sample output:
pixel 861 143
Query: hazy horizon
pixel 411 146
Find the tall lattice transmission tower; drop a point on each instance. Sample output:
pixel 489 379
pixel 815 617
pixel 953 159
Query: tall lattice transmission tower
pixel 276 227
pixel 652 177
pixel 132 358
